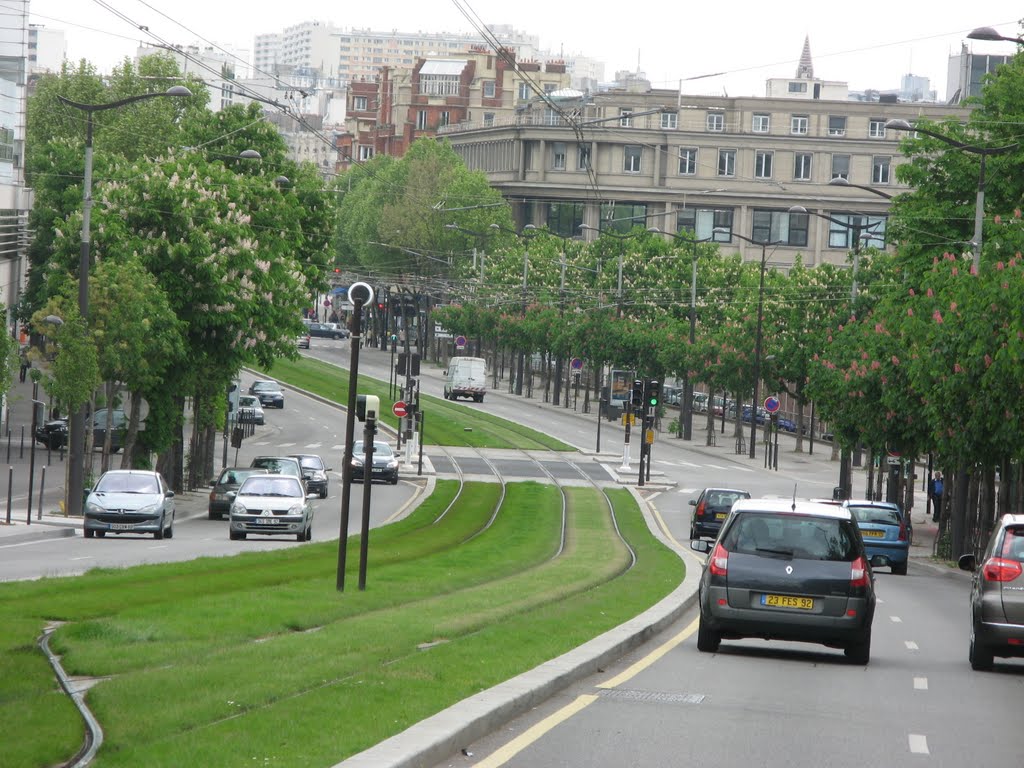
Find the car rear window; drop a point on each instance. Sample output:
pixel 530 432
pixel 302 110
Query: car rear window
pixel 1013 545
pixel 881 515
pixel 794 536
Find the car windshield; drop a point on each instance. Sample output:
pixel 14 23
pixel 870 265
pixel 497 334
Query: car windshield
pixel 236 476
pixel 248 401
pixel 277 466
pixel 258 485
pixel 125 483
pixel 725 499
pixel 792 536
pixel 265 386
pixel 379 449
pixel 311 462
pixel 880 515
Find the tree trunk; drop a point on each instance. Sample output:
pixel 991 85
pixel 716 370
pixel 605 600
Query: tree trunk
pixel 131 434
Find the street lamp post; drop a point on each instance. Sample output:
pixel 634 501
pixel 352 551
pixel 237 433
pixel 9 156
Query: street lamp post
pixel 982 153
pixel 757 341
pixel 988 33
pixel 618 290
pixel 76 424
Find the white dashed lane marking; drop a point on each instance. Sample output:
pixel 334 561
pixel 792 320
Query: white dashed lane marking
pixel 918 744
pixel 920 683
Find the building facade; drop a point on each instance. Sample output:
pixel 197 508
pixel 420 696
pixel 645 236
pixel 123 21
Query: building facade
pixel 966 73
pixel 718 167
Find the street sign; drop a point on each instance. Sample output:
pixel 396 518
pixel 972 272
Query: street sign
pixel 460 342
pixel 893 461
pixel 400 409
pixel 576 364
pixel 772 404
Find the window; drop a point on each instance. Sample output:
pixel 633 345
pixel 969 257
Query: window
pixel 841 167
pixel 552 117
pixel 625 118
pixel 439 85
pixel 836 125
pixel 550 87
pixel 488 89
pixel 763 164
pixel 365 153
pixel 359 103
pixel 703 222
pixel 880 169
pixel 558 155
pixel 524 91
pixel 798 125
pixel 727 162
pixel 669 121
pixel 565 218
pixel 876 128
pixel 844 228
pixel 445 118
pixel 631 158
pixel 583 157
pixel 802 166
pixel 780 227
pixel 421 120
pixel 687 161
pixel 488 118
pixel 797 87
pixel 622 217
pixel 762 123
pixel 716 121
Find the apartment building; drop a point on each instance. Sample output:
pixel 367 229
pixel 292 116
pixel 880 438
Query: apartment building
pixel 717 166
pixel 387 113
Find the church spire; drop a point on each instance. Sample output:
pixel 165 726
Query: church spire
pixel 805 69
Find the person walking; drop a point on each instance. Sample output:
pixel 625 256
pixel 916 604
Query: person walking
pixel 937 489
pixel 25 364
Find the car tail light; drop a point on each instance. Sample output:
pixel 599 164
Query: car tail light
pixel 903 530
pixel 999 569
pixel 718 563
pixel 859 573
pixel 701 508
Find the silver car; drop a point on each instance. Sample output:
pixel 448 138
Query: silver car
pixel 129 501
pixel 787 570
pixel 272 505
pixel 997 594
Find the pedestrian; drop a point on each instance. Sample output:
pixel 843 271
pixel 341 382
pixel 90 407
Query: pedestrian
pixel 937 489
pixel 25 364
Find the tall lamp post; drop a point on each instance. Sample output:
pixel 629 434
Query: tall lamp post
pixel 757 341
pixel 76 424
pixel 988 33
pixel 618 289
pixel 687 405
pixel 982 153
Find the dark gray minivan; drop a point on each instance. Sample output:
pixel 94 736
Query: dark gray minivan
pixel 787 570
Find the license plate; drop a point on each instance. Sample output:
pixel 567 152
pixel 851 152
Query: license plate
pixel 873 534
pixel 121 526
pixel 720 515
pixel 788 601
pixel 378 469
pixel 265 521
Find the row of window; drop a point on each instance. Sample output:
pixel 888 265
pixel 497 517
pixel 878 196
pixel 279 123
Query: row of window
pixel 799 125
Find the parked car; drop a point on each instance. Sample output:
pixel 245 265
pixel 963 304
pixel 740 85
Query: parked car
pixel 314 472
pixel 385 462
pixel 328 331
pixel 885 532
pixel 54 433
pixel 711 508
pixel 302 341
pixel 271 505
pixel 250 409
pixel 786 424
pixel 225 487
pixel 129 501
pixel 279 465
pixel 269 392
pixel 787 570
pixel 997 594
pixel 762 414
pixel 700 402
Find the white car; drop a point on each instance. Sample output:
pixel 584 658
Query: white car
pixel 250 409
pixel 272 505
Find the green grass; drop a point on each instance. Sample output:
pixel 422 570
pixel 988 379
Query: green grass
pixel 445 422
pixel 257 658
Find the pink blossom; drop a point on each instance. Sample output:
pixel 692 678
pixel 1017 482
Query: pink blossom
pixel 1016 213
pixel 910 312
pixel 955 272
pixel 952 306
pixel 863 356
pixel 957 368
pixel 885 380
pixel 999 266
pixel 912 292
pixel 937 316
pixel 875 365
pixel 895 360
pixel 879 328
pixel 988 360
pixel 1005 286
pixel 997 219
pixel 930 293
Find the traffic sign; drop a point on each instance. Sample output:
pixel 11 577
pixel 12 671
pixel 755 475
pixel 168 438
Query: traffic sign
pixel 400 409
pixel 460 342
pixel 576 364
pixel 772 404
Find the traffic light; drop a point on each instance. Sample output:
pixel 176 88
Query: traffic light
pixel 653 394
pixel 637 400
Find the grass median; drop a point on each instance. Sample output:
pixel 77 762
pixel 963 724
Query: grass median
pixel 257 659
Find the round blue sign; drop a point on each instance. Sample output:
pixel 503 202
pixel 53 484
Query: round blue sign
pixel 460 341
pixel 576 364
pixel 771 404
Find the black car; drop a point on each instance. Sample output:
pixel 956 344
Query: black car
pixel 314 472
pixel 54 433
pixel 711 508
pixel 787 570
pixel 225 486
pixel 328 331
pixel 997 594
pixel 269 392
pixel 385 462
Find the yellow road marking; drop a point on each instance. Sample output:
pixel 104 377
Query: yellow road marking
pixel 518 744
pixel 653 656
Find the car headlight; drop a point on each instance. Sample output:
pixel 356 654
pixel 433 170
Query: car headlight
pixel 149 509
pixel 318 476
pixel 94 509
pixel 357 462
pixel 392 463
pixel 238 509
pixel 296 509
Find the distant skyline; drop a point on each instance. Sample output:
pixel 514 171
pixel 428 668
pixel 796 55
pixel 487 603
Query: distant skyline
pixel 711 49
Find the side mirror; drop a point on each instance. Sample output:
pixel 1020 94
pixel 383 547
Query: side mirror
pixel 169 494
pixel 701 545
pixel 967 563
pixel 232 495
pixel 328 469
pixel 312 495
pixel 693 502
pixel 213 481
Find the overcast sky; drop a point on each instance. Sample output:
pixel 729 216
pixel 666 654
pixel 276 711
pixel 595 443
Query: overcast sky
pixel 868 44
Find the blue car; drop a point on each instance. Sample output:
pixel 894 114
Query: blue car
pixel 886 532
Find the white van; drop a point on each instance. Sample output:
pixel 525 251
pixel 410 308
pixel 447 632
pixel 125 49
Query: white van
pixel 466 377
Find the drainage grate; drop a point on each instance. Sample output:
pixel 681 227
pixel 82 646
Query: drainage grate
pixel 655 697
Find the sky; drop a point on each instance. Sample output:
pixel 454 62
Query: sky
pixel 868 44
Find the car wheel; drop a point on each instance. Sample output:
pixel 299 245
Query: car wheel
pixel 235 536
pixel 394 480
pixel 169 533
pixel 900 569
pixel 323 493
pixel 981 655
pixel 214 515
pixel 101 534
pixel 707 639
pixel 859 652
pixel 309 533
pixel 159 534
pixel 88 533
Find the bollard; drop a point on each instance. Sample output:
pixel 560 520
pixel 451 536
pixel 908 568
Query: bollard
pixel 21 448
pixel 42 486
pixel 10 489
pixel 8 446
